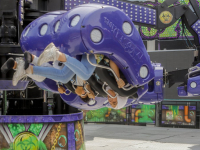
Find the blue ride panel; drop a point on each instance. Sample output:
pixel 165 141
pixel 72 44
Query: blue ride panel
pixel 125 48
pixel 92 28
pixel 155 91
pixel 191 86
pixel 192 89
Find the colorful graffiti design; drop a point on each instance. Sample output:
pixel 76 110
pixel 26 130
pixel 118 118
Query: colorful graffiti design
pixel 143 113
pixel 26 140
pixel 178 115
pixel 105 115
pixel 139 114
pixel 47 136
pixel 78 134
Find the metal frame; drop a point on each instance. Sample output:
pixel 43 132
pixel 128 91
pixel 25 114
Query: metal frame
pixel 103 88
pixel 108 68
pixel 89 91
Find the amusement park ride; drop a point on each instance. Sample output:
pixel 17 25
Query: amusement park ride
pixel 83 27
pixel 100 27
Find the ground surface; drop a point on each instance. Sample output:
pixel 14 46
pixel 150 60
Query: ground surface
pixel 124 137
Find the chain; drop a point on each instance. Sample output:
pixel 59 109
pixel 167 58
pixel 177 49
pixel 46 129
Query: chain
pixel 79 126
pixel 57 135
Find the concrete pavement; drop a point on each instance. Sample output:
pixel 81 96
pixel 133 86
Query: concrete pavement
pixel 124 137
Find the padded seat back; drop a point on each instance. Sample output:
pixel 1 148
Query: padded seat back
pixel 105 76
pixel 96 86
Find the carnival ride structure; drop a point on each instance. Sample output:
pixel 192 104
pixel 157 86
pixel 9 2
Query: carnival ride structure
pixel 84 27
pixel 108 27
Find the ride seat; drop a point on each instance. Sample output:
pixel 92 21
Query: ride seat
pixel 96 86
pixel 193 74
pixel 105 76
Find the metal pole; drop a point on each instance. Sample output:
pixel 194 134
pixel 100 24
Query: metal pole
pixel 4 102
pixel 1 96
pixel 158 115
pixel 45 96
pixel 45 104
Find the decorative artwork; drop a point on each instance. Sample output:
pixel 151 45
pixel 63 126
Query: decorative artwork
pixel 40 136
pixel 143 114
pixel 78 134
pixel 105 115
pixel 172 32
pixel 166 17
pixel 139 114
pixel 178 115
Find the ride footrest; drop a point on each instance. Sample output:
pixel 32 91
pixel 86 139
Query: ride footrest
pixel 6 85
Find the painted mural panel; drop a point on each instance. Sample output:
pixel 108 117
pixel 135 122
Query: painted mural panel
pixel 4 142
pixel 143 113
pixel 42 136
pixel 19 137
pixel 105 115
pixel 178 115
pixel 79 135
pixel 57 137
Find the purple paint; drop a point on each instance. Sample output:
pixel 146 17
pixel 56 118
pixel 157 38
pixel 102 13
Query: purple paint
pixel 41 118
pixel 156 92
pixel 128 50
pixel 137 13
pixel 193 86
pixel 181 107
pixel 6 85
pixel 196 28
pixel 71 138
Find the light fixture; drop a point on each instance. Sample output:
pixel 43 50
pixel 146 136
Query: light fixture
pixel 144 72
pixel 92 102
pixel 127 28
pixel 193 85
pixel 57 26
pixel 96 35
pixel 43 29
pixel 75 21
